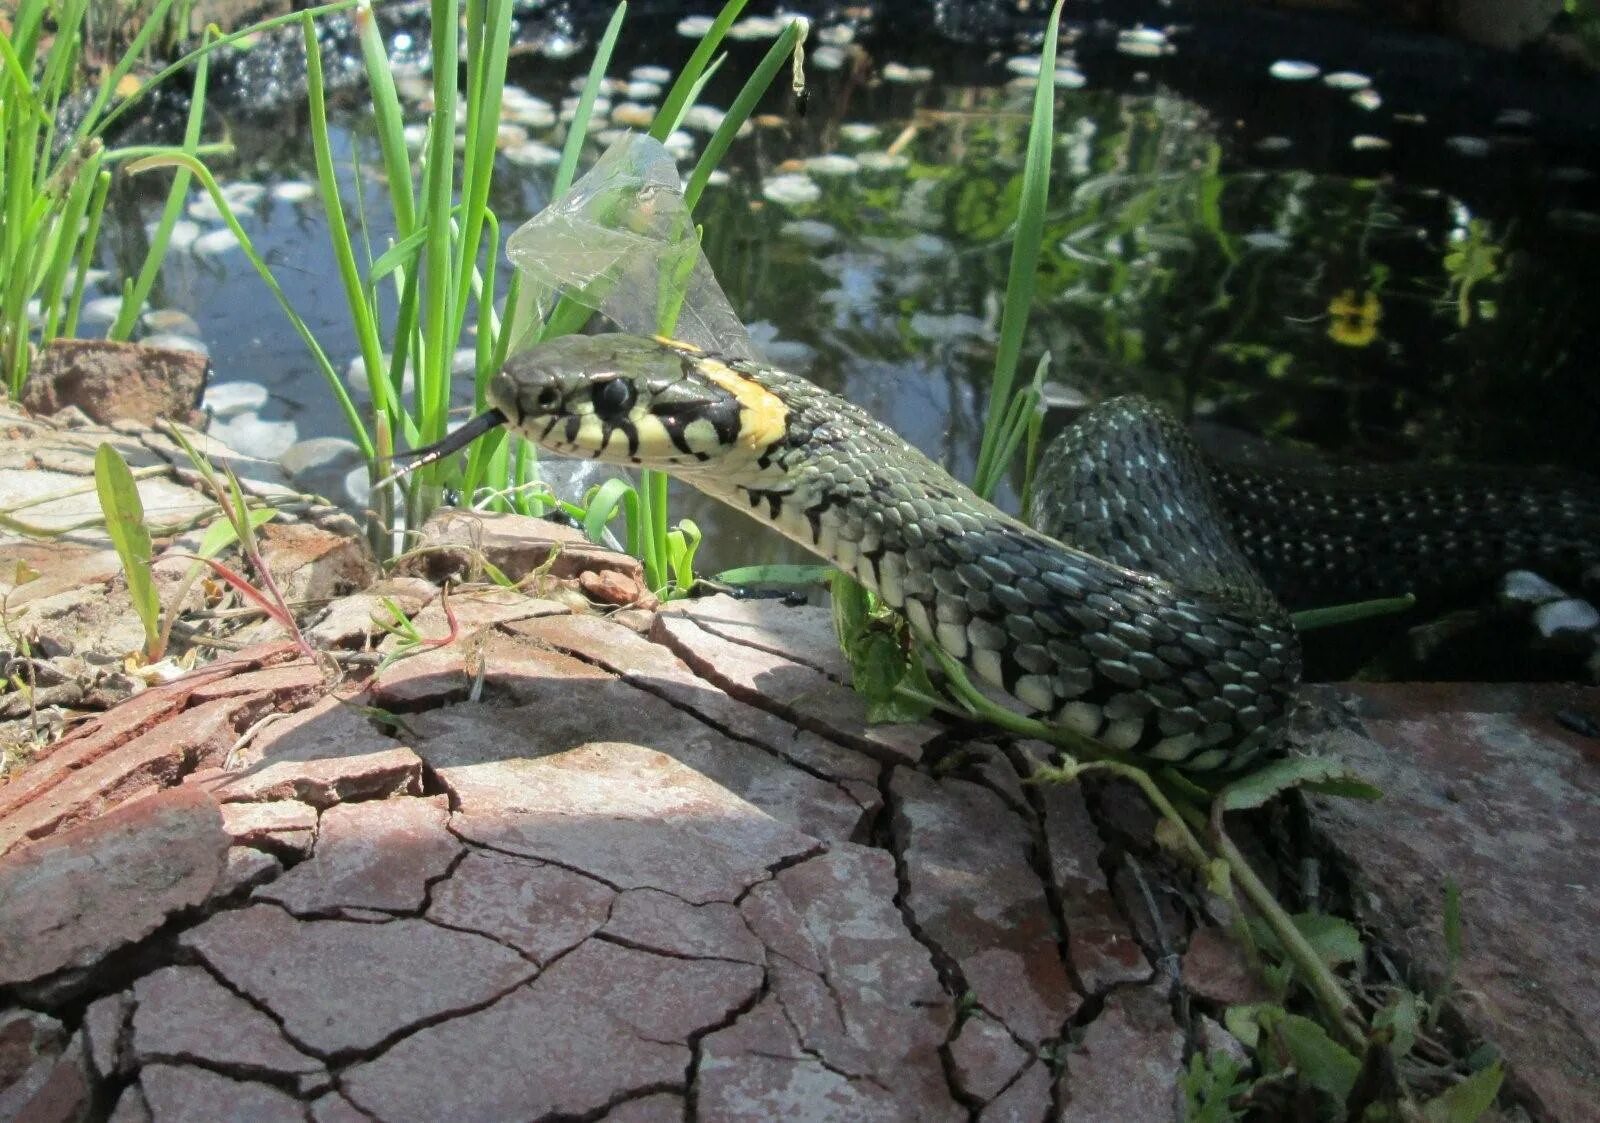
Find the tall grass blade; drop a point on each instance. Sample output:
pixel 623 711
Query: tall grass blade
pixel 125 525
pixel 1024 262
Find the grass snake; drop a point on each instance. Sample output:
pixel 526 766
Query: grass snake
pixel 1134 614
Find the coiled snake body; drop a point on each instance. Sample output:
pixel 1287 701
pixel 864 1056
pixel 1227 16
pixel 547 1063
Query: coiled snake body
pixel 1132 616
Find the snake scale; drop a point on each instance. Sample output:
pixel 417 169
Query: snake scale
pixel 1134 614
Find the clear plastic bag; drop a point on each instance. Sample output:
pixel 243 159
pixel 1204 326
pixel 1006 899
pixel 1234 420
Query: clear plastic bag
pixel 621 242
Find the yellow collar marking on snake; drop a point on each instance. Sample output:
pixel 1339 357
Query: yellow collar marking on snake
pixel 763 416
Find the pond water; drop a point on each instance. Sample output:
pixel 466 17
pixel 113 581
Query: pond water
pixel 1311 239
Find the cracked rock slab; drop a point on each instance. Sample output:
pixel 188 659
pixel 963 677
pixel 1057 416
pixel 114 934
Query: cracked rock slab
pixel 539 909
pixel 858 992
pixel 1128 1064
pixel 342 987
pixel 976 896
pixel 627 815
pixel 323 755
pixel 183 1015
pixel 186 1094
pixel 1482 785
pixel 71 899
pixel 377 854
pixel 601 1023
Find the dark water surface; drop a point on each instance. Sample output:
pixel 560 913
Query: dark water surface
pixel 1352 245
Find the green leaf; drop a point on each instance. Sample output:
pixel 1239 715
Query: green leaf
pixel 1244 1022
pixel 1403 1018
pixel 851 606
pixel 1334 938
pixel 119 499
pixel 221 534
pixel 603 505
pixel 401 253
pixel 1319 774
pixel 1309 619
pixel 777 574
pixel 1452 924
pixel 1468 1100
pixel 1321 1062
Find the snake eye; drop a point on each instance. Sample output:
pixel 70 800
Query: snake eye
pixel 549 398
pixel 613 397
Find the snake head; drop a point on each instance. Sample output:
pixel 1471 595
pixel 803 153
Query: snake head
pixel 632 399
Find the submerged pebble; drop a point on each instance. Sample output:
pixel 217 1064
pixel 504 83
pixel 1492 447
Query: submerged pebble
pixel 1265 240
pixel 215 242
pixel 534 155
pixel 633 115
pixel 832 164
pixel 252 435
pixel 1346 80
pixel 703 118
pixel 792 190
pixel 904 75
pixel 858 132
pixel 228 399
pixel 1142 42
pixel 1473 146
pixel 809 231
pixel 100 310
pixel 948 327
pixel 642 91
pixel 171 320
pixel 1568 619
pixel 1274 144
pixel 883 161
pixel 1294 70
pixel 1368 99
pixel 828 58
pixel 837 35
pixel 315 456
pixel 293 191
pixel 183 234
pixel 1525 587
pixel 695 27
pixel 756 27
pixel 1367 143
pixel 657 74
pixel 173 341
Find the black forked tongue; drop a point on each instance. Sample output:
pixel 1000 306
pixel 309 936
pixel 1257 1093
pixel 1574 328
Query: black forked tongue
pixel 416 458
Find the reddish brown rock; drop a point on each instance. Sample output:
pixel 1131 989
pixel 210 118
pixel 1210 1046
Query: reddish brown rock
pixel 149 762
pixel 859 991
pixel 247 868
pixel 985 1058
pixel 601 1022
pixel 321 756
pixel 1026 1100
pixel 662 1107
pixel 1102 948
pixel 183 1015
pixel 1483 787
pixel 797 692
pixel 563 703
pixel 112 381
pixel 284 826
pixel 342 987
pixel 378 854
pixel 55 1088
pixel 975 895
pixel 653 667
pixel 309 563
pixel 456 543
pixel 105 1029
pixel 71 899
pixel 185 1094
pixel 1128 1064
pixel 512 669
pixel 804 633
pixel 629 816
pixel 1214 967
pixel 756 1070
pixel 656 921
pixel 610 587
pixel 539 909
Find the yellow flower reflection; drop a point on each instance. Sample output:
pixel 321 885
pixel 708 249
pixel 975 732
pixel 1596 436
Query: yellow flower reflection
pixel 1353 321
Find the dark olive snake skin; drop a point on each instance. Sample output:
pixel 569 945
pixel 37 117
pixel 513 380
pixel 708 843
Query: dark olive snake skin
pixel 1138 619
